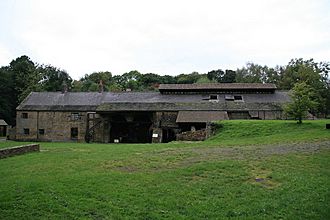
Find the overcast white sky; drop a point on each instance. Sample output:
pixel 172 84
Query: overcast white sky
pixel 163 36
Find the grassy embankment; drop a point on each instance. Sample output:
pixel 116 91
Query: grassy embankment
pixel 250 169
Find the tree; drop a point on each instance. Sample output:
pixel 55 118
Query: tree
pixel 229 76
pixel 26 76
pixel 8 98
pixel 313 74
pixel 167 79
pixel 252 73
pixel 300 70
pixel 204 79
pixel 149 81
pixel 90 82
pixel 301 102
pixel 95 77
pixel 53 78
pixel 131 80
pixel 119 81
pixel 16 82
pixel 215 75
pixel 77 86
pixel 324 68
pixel 187 78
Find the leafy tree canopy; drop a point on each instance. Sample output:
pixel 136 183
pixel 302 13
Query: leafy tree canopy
pixel 187 78
pixel 255 73
pixel 53 78
pixel 8 97
pixel 313 74
pixel 229 76
pixel 299 70
pixel 26 76
pixel 301 101
pixel 90 82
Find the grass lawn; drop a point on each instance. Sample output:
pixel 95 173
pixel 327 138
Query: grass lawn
pixel 248 170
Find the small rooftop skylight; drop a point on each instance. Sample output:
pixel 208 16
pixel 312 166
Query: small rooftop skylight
pixel 213 97
pixel 229 97
pixel 236 98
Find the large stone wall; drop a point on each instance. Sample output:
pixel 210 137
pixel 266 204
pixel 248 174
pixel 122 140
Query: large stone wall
pixel 11 133
pixel 264 114
pixel 56 126
pixel 102 130
pixel 8 152
pixel 168 119
pixel 271 115
pixel 26 123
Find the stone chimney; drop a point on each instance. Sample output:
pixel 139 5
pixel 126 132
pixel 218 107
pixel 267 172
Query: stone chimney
pixel 101 87
pixel 64 87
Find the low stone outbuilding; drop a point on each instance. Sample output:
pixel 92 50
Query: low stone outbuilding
pixel 3 128
pixel 142 117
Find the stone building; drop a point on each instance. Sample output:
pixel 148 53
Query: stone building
pixel 3 128
pixel 175 111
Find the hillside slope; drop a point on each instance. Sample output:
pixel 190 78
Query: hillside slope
pixel 244 132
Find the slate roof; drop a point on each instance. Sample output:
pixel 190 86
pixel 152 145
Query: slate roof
pixel 143 101
pixel 201 116
pixel 3 123
pixel 191 106
pixel 203 86
pixel 155 97
pixel 83 101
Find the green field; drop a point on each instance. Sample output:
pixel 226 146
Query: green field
pixel 248 170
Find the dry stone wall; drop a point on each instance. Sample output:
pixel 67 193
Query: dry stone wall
pixel 8 152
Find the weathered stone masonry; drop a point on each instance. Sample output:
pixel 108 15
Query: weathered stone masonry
pixel 8 152
pixel 49 126
pixel 175 112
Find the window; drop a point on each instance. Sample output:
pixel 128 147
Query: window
pixel 24 115
pixel 238 98
pixel 75 116
pixel 26 131
pixel 213 97
pixel 229 98
pixel 74 133
pixel 41 131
